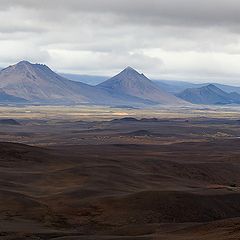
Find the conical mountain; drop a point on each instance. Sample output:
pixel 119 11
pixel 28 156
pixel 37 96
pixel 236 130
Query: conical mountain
pixel 131 83
pixel 37 82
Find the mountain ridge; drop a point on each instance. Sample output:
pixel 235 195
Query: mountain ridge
pixel 28 83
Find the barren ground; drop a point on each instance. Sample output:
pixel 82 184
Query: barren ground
pixel 82 175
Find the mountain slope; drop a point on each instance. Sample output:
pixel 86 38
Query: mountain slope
pixel 7 98
pixel 133 84
pixel 209 94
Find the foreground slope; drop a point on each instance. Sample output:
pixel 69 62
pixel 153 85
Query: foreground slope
pixel 121 190
pixel 209 94
pixel 130 83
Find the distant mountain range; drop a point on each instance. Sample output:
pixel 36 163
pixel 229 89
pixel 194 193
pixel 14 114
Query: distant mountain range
pixel 27 83
pixel 170 86
pixel 179 86
pixel 37 83
pixel 209 94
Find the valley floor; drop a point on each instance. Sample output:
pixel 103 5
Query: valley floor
pixel 75 176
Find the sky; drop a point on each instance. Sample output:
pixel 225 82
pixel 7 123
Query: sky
pixel 197 41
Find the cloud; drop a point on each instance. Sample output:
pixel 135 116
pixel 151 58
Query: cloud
pixel 187 12
pixel 103 61
pixel 180 39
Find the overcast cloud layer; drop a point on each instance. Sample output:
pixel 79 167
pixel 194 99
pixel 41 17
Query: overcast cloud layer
pixel 174 39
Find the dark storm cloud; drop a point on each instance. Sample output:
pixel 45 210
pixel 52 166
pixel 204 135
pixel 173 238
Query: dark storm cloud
pixel 185 39
pixel 187 12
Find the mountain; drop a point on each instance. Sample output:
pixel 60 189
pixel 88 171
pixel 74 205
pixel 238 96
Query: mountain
pixel 37 82
pixel 130 83
pixel 209 94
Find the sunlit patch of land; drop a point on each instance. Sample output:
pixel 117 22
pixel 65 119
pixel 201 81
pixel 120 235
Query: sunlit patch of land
pixel 89 113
